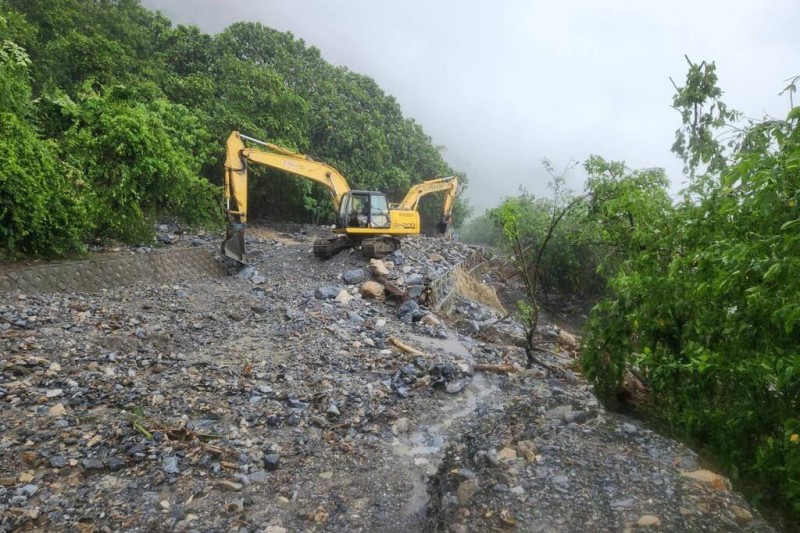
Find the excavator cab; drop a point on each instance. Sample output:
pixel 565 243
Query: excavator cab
pixel 364 209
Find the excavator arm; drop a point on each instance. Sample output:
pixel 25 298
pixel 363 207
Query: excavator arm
pixel 239 154
pixel 450 185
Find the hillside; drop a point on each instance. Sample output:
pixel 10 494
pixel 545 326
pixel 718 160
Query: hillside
pixel 112 118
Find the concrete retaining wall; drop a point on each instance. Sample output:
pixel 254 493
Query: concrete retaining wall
pixel 104 271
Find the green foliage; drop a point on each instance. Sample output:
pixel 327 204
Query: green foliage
pixel 142 159
pixel 42 205
pixel 702 112
pixel 704 303
pixel 43 209
pixel 531 229
pixel 140 111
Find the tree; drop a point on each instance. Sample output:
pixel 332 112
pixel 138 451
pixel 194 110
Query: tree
pixel 528 233
pixel 704 305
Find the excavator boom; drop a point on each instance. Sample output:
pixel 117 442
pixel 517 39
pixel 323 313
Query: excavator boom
pixel 415 193
pixel 238 154
pixel 450 184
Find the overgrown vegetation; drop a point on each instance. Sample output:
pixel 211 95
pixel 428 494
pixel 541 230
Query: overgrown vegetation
pixel 112 118
pixel 699 298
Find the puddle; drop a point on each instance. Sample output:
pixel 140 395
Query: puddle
pixel 424 447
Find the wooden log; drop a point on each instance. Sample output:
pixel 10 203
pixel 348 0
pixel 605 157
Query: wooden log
pixel 404 347
pixel 393 291
pixel 497 369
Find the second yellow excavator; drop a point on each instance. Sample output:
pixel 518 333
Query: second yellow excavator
pixel 365 218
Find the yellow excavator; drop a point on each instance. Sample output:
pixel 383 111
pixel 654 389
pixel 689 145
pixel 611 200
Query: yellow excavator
pixel 365 218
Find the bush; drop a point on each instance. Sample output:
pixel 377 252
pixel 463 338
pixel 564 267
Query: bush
pixel 43 206
pixel 143 160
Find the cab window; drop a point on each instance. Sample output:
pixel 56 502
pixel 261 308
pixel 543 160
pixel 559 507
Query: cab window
pixel 379 212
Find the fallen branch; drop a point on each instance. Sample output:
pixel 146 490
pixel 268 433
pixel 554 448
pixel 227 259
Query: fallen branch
pixel 395 292
pixel 496 369
pixel 404 347
pixel 501 319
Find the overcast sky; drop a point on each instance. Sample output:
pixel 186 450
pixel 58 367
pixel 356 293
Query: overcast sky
pixel 504 84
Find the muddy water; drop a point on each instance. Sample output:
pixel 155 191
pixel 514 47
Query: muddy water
pixel 424 447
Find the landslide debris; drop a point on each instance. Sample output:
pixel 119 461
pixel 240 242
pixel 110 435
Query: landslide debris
pixel 278 399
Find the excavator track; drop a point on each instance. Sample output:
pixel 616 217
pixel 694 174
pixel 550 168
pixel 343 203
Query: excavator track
pixel 328 247
pixel 379 246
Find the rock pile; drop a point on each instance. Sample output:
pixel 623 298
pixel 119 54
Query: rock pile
pixel 285 398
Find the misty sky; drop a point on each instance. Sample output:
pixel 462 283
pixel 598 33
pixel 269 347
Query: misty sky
pixel 504 84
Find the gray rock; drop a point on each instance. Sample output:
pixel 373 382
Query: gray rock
pixel 562 412
pixel 246 273
pixel 93 465
pixel 258 476
pixel 328 292
pixel 621 505
pixel 414 279
pixel 355 317
pixel 629 428
pixel 28 490
pixel 415 291
pixel 116 464
pixel 58 461
pixel 272 461
pixel 169 465
pixel 354 277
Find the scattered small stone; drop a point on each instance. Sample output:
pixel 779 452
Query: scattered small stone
pixel 741 515
pixel 28 490
pixel 466 491
pixel 355 276
pixel 92 465
pixel 378 267
pixel 230 485
pixel 271 462
pixel 326 293
pixel 629 428
pixel 648 520
pixel 621 505
pixel 169 465
pixel 507 454
pixel 373 289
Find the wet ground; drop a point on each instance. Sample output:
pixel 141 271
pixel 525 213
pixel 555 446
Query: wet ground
pixel 270 401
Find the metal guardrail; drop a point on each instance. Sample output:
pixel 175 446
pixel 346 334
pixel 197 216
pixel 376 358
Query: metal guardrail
pixel 444 287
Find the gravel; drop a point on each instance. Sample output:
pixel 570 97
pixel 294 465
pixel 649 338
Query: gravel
pixel 260 402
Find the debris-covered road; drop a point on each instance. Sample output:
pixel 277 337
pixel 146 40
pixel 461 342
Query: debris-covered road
pixel 278 400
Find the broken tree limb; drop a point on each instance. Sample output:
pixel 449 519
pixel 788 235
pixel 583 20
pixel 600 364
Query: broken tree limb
pixel 496 369
pixel 395 292
pixel 404 347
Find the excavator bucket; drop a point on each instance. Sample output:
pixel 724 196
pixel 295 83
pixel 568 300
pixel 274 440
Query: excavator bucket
pixel 233 245
pixel 445 228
